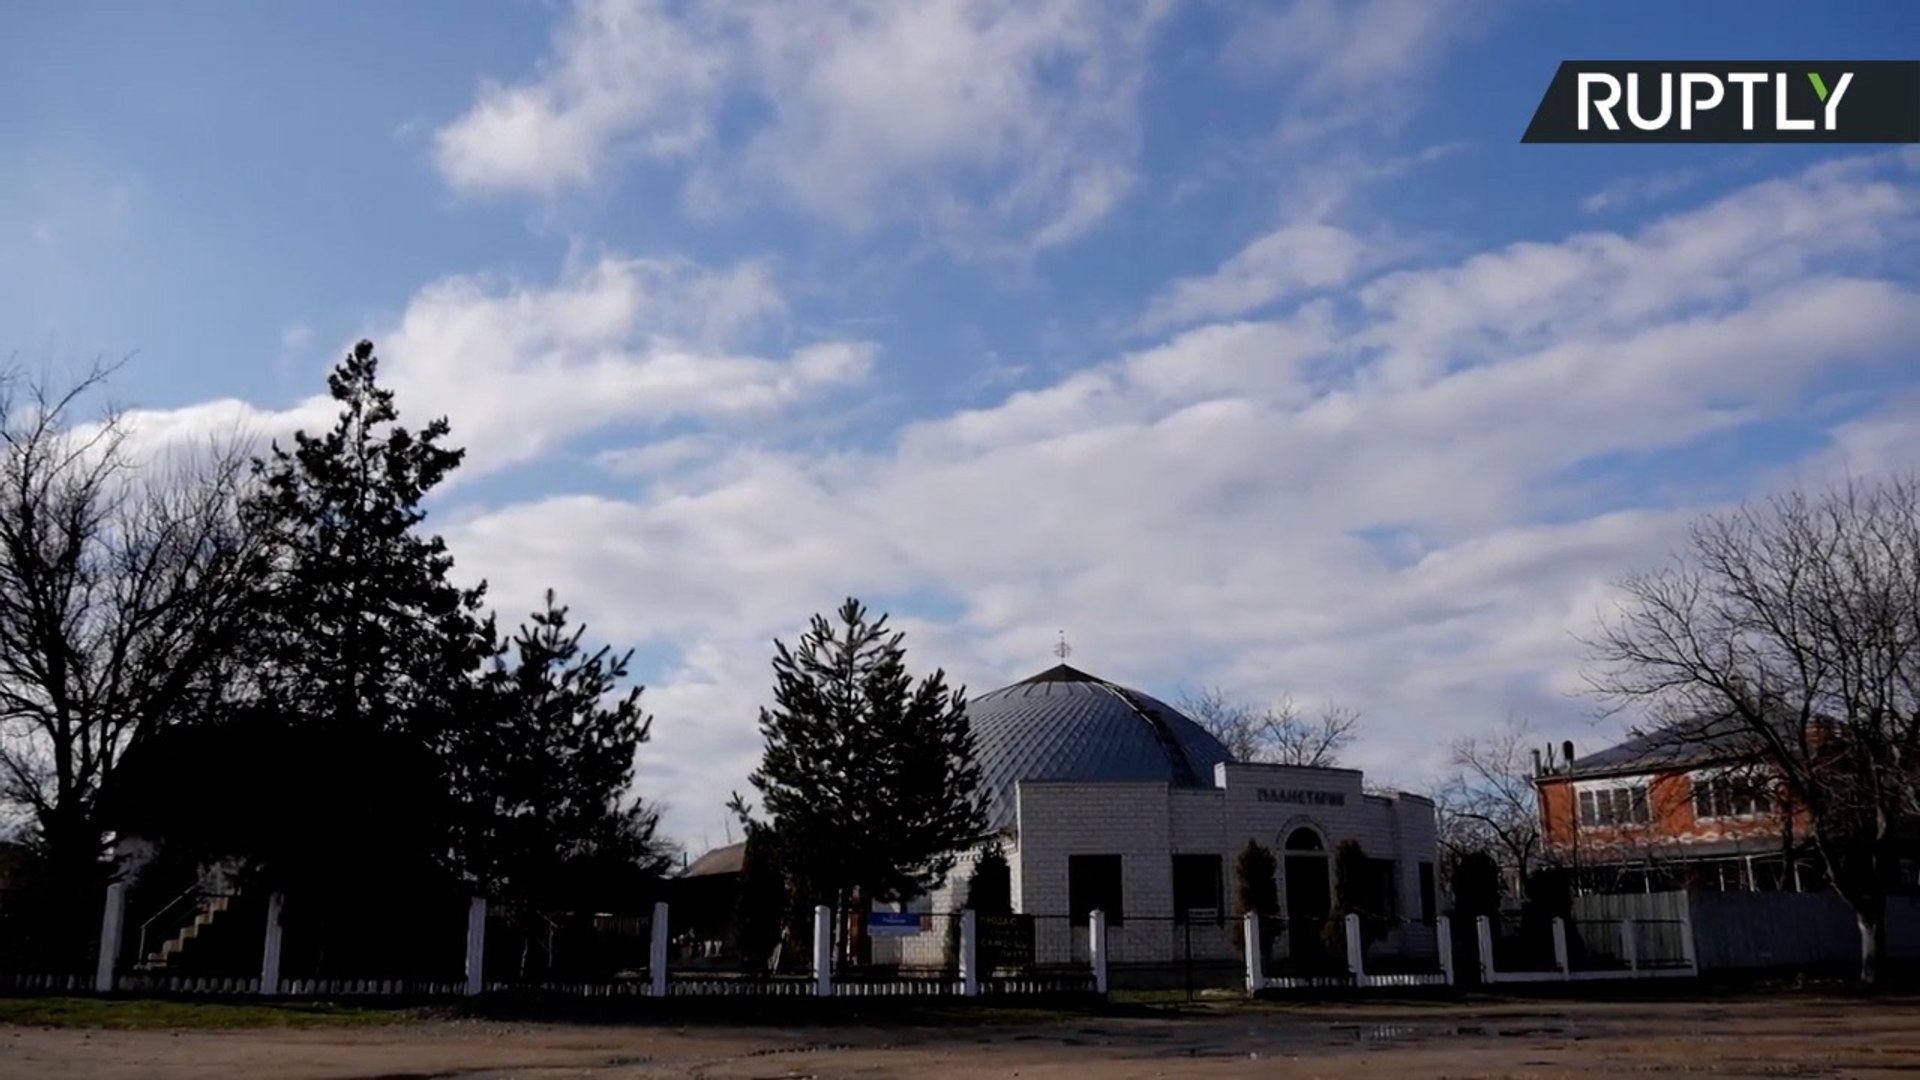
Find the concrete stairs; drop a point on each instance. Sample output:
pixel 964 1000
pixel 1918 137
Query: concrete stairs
pixel 209 912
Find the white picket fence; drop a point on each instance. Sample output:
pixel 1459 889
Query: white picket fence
pixel 1357 976
pixel 658 983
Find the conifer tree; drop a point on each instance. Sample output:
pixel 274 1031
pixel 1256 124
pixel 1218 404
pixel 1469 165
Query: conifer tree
pixel 545 761
pixel 363 628
pixel 870 780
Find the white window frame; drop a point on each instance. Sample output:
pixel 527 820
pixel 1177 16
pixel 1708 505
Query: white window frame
pixel 1642 783
pixel 1749 773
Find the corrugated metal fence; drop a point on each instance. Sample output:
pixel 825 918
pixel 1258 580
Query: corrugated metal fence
pixel 1736 931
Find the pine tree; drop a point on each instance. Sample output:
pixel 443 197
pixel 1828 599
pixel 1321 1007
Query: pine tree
pixel 870 780
pixel 363 629
pixel 544 766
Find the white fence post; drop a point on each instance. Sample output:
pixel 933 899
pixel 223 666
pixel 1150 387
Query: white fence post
pixel 1356 951
pixel 1484 926
pixel 1560 947
pixel 112 923
pixel 270 953
pixel 1630 946
pixel 657 954
pixel 1444 927
pixel 822 951
pixel 1256 960
pixel 1686 943
pixel 476 945
pixel 1097 949
pixel 969 953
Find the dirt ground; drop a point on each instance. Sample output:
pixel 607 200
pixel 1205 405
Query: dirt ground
pixel 1796 1037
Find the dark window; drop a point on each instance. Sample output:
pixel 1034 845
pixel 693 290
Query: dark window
pixel 1607 807
pixel 1304 840
pixel 1730 796
pixel 1196 888
pixel 1427 902
pixel 1382 890
pixel 1094 884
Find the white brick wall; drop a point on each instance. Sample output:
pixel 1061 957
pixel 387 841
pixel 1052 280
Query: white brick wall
pixel 1147 823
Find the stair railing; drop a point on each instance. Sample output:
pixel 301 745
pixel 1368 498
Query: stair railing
pixel 192 894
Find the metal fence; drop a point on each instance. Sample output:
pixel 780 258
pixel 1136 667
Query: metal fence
pixel 1523 944
pixel 528 948
pixel 48 942
pixel 376 937
pixel 1749 931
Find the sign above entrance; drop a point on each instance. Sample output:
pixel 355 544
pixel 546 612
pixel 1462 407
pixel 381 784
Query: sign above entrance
pixel 1301 796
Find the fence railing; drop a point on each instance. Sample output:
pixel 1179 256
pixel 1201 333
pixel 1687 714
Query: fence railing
pixel 1587 949
pixel 1346 970
pixel 952 954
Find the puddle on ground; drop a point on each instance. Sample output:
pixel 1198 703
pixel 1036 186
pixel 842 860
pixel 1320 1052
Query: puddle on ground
pixel 1381 1033
pixel 1391 1033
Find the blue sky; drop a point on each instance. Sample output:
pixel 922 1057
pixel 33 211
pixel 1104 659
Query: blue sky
pixel 1243 341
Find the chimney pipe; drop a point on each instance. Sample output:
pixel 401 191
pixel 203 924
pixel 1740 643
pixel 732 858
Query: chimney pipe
pixel 1536 762
pixel 1567 749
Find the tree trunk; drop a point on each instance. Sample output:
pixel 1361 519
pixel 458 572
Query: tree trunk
pixel 1871 929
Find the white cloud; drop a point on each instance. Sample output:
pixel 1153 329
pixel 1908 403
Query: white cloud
pixel 1015 116
pixel 624 77
pixel 1334 47
pixel 1631 190
pixel 295 337
pixel 1206 510
pixel 1288 260
pixel 1347 63
pixel 519 368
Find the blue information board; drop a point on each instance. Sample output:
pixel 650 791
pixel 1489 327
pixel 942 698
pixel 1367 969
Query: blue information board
pixel 895 923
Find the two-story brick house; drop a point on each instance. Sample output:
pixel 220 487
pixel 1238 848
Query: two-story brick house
pixel 1686 806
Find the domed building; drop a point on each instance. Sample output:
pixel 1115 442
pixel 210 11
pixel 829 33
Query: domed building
pixel 1106 798
pixel 1066 725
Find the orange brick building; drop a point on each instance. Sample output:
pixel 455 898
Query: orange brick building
pixel 1686 807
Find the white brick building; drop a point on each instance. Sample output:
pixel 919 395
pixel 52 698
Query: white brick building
pixel 1107 798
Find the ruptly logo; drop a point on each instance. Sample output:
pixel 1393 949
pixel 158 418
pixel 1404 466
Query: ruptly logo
pixel 1827 101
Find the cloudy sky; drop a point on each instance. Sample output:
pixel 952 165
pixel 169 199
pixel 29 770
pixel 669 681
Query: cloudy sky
pixel 1242 341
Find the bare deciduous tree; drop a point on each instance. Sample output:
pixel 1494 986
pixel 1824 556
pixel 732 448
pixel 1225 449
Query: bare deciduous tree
pixel 122 583
pixel 1488 803
pixel 1789 632
pixel 1272 734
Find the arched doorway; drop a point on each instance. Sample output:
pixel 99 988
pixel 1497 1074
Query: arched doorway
pixel 1309 893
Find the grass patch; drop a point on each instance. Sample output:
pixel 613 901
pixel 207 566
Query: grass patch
pixel 149 1013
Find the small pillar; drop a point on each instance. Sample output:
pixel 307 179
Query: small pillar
pixel 1356 950
pixel 112 925
pixel 1444 927
pixel 1686 943
pixel 1097 949
pixel 1560 947
pixel 1256 959
pixel 969 953
pixel 822 951
pixel 1484 926
pixel 476 946
pixel 1630 945
pixel 270 953
pixel 657 953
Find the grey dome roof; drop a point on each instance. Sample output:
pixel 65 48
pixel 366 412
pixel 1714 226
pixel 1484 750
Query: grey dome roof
pixel 1064 724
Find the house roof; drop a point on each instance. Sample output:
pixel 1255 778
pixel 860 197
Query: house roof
pixel 721 860
pixel 1699 741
